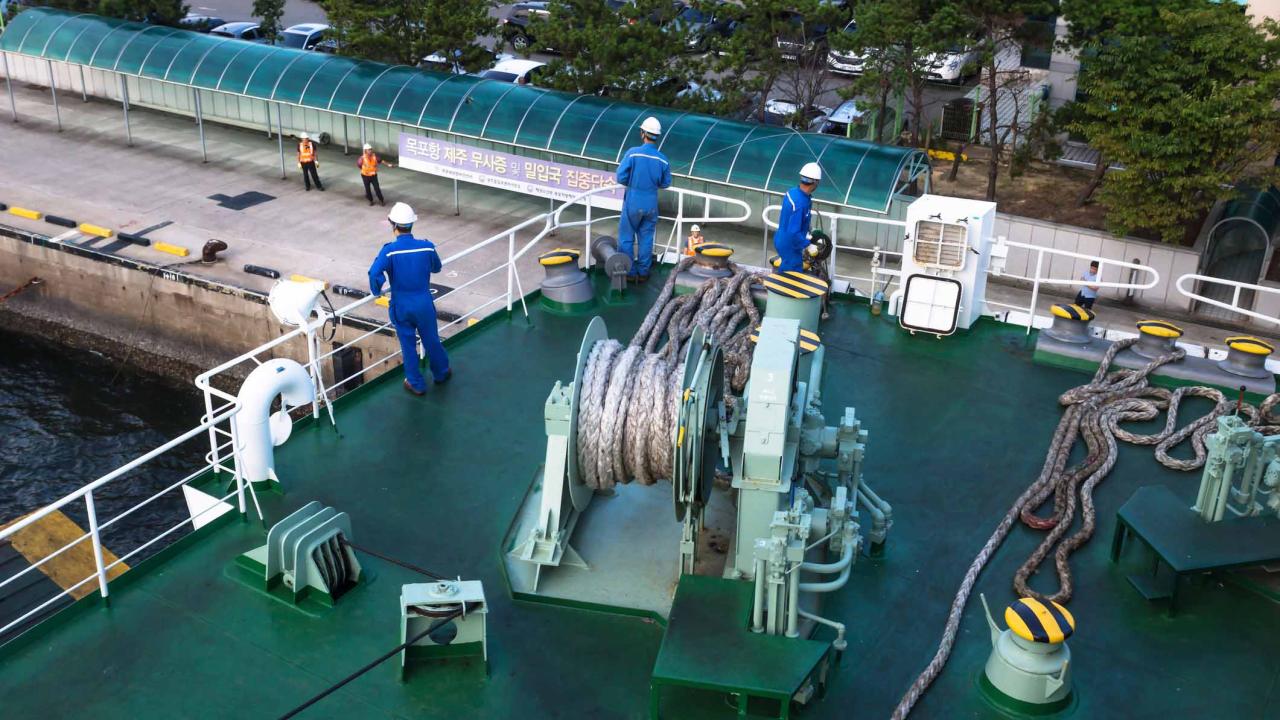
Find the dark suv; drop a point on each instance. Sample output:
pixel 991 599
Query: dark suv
pixel 515 26
pixel 801 38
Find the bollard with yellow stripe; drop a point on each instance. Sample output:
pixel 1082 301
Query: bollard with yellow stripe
pixel 796 296
pixel 1070 324
pixel 1041 622
pixel 1156 338
pixel 1247 356
pixel 1030 663
pixel 565 287
pixel 559 256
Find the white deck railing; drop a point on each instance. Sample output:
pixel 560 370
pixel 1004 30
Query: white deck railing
pixel 218 425
pixel 1191 284
pixel 1041 278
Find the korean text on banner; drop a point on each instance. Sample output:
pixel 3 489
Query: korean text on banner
pixel 495 169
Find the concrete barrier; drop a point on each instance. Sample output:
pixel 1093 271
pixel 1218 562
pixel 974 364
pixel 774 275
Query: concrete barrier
pixel 60 221
pixel 135 239
pixel 90 229
pixel 25 213
pixel 171 249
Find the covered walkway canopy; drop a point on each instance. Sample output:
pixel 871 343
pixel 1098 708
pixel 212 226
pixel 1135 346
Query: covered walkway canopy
pixel 703 148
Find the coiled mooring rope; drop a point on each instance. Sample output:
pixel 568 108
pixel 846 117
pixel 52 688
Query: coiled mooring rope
pixel 1094 412
pixel 627 405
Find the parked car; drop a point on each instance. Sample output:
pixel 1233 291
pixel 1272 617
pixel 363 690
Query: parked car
pixel 800 38
pixel 789 114
pixel 200 23
pixel 514 26
pixel 846 62
pixel 702 26
pixel 852 119
pixel 515 70
pixel 438 62
pixel 239 31
pixel 954 65
pixel 305 36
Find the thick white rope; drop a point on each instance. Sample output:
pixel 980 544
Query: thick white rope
pixel 628 403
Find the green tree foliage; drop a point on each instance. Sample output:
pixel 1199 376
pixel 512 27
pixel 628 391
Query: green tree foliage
pixel 750 61
pixel 634 52
pixel 997 26
pixel 159 12
pixel 405 31
pixel 1185 100
pixel 269 13
pixel 899 39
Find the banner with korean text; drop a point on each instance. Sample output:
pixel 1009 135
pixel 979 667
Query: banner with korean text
pixel 495 169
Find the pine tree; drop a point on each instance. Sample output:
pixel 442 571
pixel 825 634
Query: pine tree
pixel 405 31
pixel 269 13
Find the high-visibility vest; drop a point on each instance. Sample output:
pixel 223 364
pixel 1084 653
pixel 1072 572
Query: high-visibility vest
pixel 306 152
pixel 690 250
pixel 368 164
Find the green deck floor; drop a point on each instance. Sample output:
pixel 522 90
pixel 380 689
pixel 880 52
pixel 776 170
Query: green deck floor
pixel 958 426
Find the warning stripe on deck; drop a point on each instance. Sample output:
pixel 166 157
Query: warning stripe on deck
pixel 52 532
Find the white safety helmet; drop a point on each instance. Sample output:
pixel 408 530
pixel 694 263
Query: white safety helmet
pixel 810 173
pixel 402 215
pixel 695 228
pixel 651 126
pixel 367 146
pixel 304 136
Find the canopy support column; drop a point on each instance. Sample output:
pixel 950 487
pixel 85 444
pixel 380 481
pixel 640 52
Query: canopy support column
pixel 279 134
pixel 53 90
pixel 362 135
pixel 268 102
pixel 8 82
pixel 84 86
pixel 344 135
pixel 124 103
pixel 204 153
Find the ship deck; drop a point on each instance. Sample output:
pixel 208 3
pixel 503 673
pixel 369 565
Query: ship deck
pixel 958 427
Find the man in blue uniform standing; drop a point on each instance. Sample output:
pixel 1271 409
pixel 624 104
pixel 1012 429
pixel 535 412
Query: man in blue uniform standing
pixel 792 236
pixel 408 262
pixel 644 171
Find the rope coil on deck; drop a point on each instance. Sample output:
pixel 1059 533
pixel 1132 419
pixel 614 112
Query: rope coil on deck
pixel 628 403
pixel 1094 412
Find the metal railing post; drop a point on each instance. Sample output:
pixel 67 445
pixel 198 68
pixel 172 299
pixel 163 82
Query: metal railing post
pixel 511 265
pixel 97 543
pixel 53 90
pixel 279 134
pixel 204 153
pixel 235 462
pixel 835 247
pixel 586 236
pixel 8 83
pixel 1035 291
pixel 214 458
pixel 124 103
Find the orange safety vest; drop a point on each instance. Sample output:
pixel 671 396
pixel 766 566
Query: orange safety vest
pixel 368 164
pixel 306 152
pixel 693 244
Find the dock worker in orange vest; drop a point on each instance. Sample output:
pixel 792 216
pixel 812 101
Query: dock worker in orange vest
pixel 695 239
pixel 368 164
pixel 307 162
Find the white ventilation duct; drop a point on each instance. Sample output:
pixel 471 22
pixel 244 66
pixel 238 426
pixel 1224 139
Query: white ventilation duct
pixel 258 430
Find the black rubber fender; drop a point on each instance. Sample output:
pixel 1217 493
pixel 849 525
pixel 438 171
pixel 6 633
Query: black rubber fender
pixel 59 220
pixel 263 271
pixel 135 239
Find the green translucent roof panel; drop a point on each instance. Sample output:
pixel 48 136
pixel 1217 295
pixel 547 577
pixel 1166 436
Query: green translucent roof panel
pixel 293 79
pixel 66 34
pixel 137 49
pixel 472 117
pixel 350 93
pixel 237 73
pixel 758 157
pixel 378 97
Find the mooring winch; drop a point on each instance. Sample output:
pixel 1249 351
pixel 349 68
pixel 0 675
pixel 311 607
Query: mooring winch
pixel 731 395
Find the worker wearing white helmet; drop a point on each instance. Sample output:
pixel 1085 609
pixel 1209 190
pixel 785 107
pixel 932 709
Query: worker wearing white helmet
pixel 408 263
pixel 368 164
pixel 644 171
pixel 792 235
pixel 308 163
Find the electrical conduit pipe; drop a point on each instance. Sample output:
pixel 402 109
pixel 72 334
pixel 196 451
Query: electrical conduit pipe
pixel 256 429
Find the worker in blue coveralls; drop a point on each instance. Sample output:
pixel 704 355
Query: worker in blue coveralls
pixel 644 171
pixel 408 262
pixel 792 235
